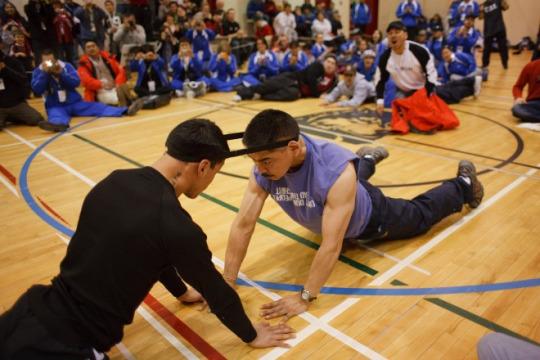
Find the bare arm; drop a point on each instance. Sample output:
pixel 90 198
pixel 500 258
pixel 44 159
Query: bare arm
pixel 242 229
pixel 504 5
pixel 336 217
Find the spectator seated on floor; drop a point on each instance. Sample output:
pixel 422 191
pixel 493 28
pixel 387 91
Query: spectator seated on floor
pixel 58 81
pixel 367 66
pixel 223 68
pixel 187 78
pixel 436 43
pixel 129 35
pixel 150 67
pixel 102 77
pixel 528 109
pixel 319 50
pixel 14 90
pixel 465 37
pixel 200 39
pixel 295 59
pixel 262 64
pixel 354 87
pixel 21 51
pixel 458 75
pixel 315 80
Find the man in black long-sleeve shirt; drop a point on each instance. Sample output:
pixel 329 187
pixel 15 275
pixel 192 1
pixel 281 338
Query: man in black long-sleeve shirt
pixel 132 232
pixel 14 89
pixel 315 80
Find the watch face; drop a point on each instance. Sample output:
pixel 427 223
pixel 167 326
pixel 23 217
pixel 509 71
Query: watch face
pixel 305 295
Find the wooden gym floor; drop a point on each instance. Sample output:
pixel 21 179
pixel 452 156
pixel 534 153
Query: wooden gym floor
pixel 430 297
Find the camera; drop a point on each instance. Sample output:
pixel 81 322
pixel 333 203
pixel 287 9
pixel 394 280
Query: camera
pixel 48 63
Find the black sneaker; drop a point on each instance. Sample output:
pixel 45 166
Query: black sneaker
pixel 135 107
pixel 466 169
pixel 378 153
pixel 45 125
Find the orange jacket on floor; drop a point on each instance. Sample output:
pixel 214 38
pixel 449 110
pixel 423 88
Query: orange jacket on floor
pixel 422 112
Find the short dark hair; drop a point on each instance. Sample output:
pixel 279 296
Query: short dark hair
pixel 470 16
pixel 183 40
pixel 148 48
pixel 197 139
pixel 270 126
pixel 47 52
pixel 396 25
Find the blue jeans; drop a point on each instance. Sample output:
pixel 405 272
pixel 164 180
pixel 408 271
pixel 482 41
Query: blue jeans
pixel 528 112
pixel 61 115
pixel 402 219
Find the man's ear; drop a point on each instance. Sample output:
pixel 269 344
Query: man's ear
pixel 204 167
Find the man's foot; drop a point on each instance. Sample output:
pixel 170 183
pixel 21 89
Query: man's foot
pixel 378 153
pixel 485 74
pixel 236 98
pixel 256 96
pixel 477 85
pixel 467 172
pixel 190 94
pixel 135 107
pixel 179 93
pixel 45 125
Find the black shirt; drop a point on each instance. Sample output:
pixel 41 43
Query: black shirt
pixel 132 232
pixel 493 18
pixel 229 27
pixel 15 83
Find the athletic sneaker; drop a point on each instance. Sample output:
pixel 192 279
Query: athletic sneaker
pixel 237 98
pixel 179 93
pixel 467 171
pixel 190 94
pixel 477 85
pixel 45 125
pixel 135 107
pixel 378 153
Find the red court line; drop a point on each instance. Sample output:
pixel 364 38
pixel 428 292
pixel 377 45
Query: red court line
pixel 52 211
pixel 183 329
pixel 8 175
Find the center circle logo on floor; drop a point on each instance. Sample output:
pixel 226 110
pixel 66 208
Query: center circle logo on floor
pixel 351 126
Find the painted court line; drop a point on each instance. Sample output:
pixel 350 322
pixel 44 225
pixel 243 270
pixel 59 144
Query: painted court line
pixel 395 259
pixel 63 165
pixel 448 231
pixel 9 186
pixel 315 323
pixel 129 122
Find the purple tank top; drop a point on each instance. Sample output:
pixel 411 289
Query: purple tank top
pixel 302 194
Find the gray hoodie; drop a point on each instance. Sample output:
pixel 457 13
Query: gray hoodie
pixel 357 93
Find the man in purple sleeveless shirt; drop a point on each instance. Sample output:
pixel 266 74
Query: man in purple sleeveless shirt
pixel 324 188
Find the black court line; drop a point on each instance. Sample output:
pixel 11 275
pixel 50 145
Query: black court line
pixel 478 319
pixel 467 153
pixel 471 316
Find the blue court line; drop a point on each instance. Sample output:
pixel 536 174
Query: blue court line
pixel 445 290
pixel 25 191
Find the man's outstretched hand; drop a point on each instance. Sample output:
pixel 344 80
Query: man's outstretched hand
pixel 272 335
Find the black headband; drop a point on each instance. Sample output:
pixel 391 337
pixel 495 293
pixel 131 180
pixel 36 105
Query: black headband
pixel 196 152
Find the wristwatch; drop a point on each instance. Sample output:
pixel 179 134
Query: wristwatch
pixel 306 295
